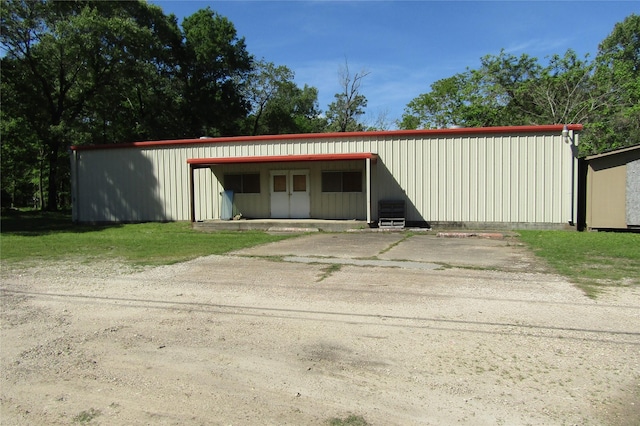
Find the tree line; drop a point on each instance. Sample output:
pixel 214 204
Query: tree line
pixel 87 72
pixel 507 90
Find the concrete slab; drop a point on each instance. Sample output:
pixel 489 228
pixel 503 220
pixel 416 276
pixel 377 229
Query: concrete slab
pixel 365 262
pixel 382 247
pixel 341 245
pixel 477 252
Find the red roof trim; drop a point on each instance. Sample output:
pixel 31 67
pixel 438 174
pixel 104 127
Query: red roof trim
pixel 281 159
pixel 392 133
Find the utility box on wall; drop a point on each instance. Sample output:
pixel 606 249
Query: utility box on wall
pixel 613 189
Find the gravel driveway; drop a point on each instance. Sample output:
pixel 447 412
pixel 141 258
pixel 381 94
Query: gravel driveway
pixel 287 334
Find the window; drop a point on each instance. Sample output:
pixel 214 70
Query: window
pixel 299 183
pixel 279 183
pixel 341 181
pixel 243 183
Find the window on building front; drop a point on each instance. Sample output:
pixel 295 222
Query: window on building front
pixel 247 183
pixel 341 181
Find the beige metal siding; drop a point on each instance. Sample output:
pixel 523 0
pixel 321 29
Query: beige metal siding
pixel 607 196
pixel 612 189
pixel 484 178
pixel 520 177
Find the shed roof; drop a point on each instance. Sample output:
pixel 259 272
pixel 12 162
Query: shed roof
pixel 395 133
pixel 613 152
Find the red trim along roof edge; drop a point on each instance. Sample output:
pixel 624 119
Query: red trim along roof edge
pixel 396 133
pixel 281 158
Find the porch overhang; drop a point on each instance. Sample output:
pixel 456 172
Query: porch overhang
pixel 199 163
pixel 207 162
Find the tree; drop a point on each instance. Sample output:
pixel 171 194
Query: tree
pixel 214 66
pixel 105 72
pixel 294 110
pixel 278 105
pixel 508 90
pixel 63 56
pixel 563 92
pixel 263 85
pixel 381 121
pixel 617 80
pixel 343 114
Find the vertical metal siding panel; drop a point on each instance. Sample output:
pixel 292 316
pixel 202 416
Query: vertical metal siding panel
pixel 456 192
pixel 556 156
pixel 453 166
pixel 557 181
pixel 111 191
pixel 527 159
pixel 471 181
pixel 418 181
pixel 481 174
pixel 530 213
pixel 197 190
pixel 139 170
pixel 212 194
pixel 163 178
pixel 508 164
pixel 498 179
pixel 183 186
pixel 446 174
pixel 565 158
pixel 433 179
pixel 435 185
pixel 538 179
pixel 547 176
pixel 170 184
pixel 541 180
pixel 408 173
pixel 547 180
pixel 507 177
pixel 556 188
pixel 464 179
pixel 165 188
pixel 152 210
pixel 141 199
pixel 449 170
pixel 486 178
pixel 490 182
pixel 517 162
pixel 521 173
pixel 441 179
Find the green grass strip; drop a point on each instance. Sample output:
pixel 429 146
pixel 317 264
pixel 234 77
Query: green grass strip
pixel 51 236
pixel 592 260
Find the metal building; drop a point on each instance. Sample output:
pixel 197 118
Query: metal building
pixel 491 177
pixel 613 189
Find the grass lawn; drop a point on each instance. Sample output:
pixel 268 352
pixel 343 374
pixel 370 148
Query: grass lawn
pixel 592 260
pixel 34 236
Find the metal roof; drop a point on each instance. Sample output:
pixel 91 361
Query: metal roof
pixel 340 135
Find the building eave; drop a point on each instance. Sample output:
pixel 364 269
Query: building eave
pixel 339 135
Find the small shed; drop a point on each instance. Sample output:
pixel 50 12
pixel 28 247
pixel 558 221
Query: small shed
pixel 613 189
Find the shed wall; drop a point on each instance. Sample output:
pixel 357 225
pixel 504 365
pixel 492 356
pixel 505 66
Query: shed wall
pixel 607 199
pixel 518 178
pixel 613 189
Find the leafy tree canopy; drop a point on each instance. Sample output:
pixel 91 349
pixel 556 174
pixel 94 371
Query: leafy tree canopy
pixel 506 90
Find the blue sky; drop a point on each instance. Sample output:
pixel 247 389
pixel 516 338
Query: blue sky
pixel 406 45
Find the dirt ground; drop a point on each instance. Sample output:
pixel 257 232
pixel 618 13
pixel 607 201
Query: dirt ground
pixel 287 334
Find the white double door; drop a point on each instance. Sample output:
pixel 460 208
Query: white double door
pixel 290 194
